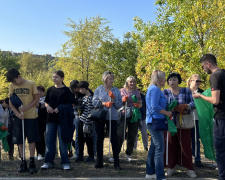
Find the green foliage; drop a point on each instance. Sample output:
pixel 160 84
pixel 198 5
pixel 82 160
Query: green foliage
pixel 4 85
pixel 184 31
pixel 8 61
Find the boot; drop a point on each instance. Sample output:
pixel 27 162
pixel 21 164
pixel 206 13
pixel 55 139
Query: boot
pixel 117 164
pixel 23 166
pixel 99 164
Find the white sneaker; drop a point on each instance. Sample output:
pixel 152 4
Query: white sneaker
pixel 111 160
pixel 45 166
pixel 170 172
pixel 74 156
pixel 40 157
pixel 191 174
pixel 148 176
pixel 129 158
pixel 66 167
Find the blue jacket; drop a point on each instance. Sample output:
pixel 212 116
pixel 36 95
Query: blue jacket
pixel 101 95
pixel 66 117
pixel 155 102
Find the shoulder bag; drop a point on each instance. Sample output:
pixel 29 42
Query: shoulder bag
pixel 97 114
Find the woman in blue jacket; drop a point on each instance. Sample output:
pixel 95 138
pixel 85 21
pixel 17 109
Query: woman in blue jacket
pixel 156 104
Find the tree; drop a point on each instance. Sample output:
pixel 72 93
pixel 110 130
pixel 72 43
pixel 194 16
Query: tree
pixel 184 31
pixel 8 61
pixel 79 54
pixel 4 88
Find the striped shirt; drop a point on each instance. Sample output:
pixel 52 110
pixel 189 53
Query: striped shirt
pixel 88 106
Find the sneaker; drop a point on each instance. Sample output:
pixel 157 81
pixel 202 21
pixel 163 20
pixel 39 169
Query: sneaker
pixel 46 166
pixel 191 174
pixel 74 156
pixel 170 172
pixel 111 160
pixel 23 167
pixel 40 157
pixel 66 167
pixel 199 164
pixel 148 176
pixel 32 168
pixel 129 158
pixel 89 159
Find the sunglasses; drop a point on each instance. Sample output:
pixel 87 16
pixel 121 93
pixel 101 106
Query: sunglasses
pixel 197 81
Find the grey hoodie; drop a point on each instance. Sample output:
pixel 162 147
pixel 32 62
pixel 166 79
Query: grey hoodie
pixel 101 95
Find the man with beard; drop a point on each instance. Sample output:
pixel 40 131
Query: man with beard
pixel 217 82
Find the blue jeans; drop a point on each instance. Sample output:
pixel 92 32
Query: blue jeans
pixel 219 143
pixel 197 156
pixel 51 133
pixel 77 122
pixel 155 158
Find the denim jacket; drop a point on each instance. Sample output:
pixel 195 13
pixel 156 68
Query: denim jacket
pixel 101 95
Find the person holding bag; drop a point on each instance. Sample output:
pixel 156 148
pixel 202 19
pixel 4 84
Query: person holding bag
pixel 156 104
pixel 180 151
pixel 107 96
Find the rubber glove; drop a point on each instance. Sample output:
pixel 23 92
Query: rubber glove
pixel 136 105
pixel 181 108
pixel 108 104
pixel 3 128
pixel 111 95
pixel 125 98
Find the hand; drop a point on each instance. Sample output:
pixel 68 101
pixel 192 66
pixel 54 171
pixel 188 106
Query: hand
pixel 49 109
pixel 56 110
pixel 125 98
pixel 22 109
pixel 37 105
pixel 111 95
pixel 196 95
pixel 136 105
pixel 108 104
pixel 180 108
pixel 20 116
pixel 3 128
pixel 169 114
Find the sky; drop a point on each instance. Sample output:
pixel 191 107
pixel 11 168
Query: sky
pixel 37 26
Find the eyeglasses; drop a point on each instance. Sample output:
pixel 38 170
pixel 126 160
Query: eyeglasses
pixel 197 81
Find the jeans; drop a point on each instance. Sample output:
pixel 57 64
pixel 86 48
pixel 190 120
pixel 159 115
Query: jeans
pixel 131 135
pixel 77 122
pixel 144 135
pixel 219 143
pixel 51 133
pixel 197 155
pixel 155 158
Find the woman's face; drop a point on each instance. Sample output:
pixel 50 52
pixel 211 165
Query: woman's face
pixel 57 79
pixel 131 84
pixel 109 81
pixel 162 82
pixel 173 82
pixel 195 82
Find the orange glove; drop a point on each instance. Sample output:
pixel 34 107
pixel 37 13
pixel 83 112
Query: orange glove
pixel 108 104
pixel 3 128
pixel 125 98
pixel 181 108
pixel 136 105
pixel 111 95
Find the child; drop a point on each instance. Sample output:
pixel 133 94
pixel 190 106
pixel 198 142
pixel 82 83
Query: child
pixel 59 100
pixel 26 90
pixel 85 126
pixel 42 115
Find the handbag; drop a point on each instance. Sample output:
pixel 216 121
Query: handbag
pixel 160 124
pixel 97 114
pixel 187 121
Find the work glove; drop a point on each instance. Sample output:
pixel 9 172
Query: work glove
pixel 3 128
pixel 181 108
pixel 125 98
pixel 109 104
pixel 136 105
pixel 111 95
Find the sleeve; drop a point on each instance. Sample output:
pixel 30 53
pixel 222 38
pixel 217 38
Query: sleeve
pixel 214 82
pixel 70 96
pixel 47 96
pixel 153 100
pixel 96 101
pixel 118 100
pixel 10 89
pixel 34 88
pixel 190 100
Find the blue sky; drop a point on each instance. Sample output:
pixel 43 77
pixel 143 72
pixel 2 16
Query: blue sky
pixel 37 25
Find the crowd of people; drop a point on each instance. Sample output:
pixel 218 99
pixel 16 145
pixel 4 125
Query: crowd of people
pixel 42 118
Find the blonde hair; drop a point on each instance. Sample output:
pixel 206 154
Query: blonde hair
pixel 107 74
pixel 189 79
pixel 130 78
pixel 156 77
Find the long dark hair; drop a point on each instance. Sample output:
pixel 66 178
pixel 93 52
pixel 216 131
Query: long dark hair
pixel 60 74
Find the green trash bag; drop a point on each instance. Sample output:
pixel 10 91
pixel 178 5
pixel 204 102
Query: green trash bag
pixel 171 126
pixel 205 119
pixel 136 112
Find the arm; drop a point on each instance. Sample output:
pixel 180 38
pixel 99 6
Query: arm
pixel 16 112
pixel 214 99
pixel 96 101
pixel 118 100
pixel 33 103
